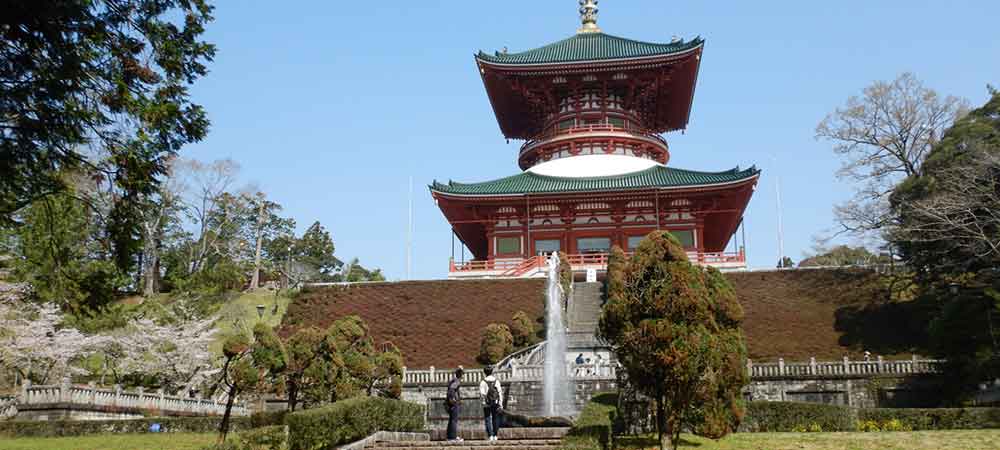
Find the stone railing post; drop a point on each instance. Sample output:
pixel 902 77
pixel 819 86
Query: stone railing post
pixel 25 387
pixel 403 375
pixel 914 367
pixel 160 400
pixel 881 366
pixel 812 365
pixel 118 395
pixel 513 370
pixel 64 393
pixel 781 366
pixel 92 388
pixel 142 397
pixel 749 368
pixel 432 378
pixel 847 366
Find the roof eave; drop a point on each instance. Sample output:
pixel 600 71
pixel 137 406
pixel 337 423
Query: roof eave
pixel 584 63
pixel 755 175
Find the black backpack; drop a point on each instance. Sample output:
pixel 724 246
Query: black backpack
pixel 493 394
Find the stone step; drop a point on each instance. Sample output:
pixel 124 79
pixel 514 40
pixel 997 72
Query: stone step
pixel 506 434
pixel 522 445
pixel 479 444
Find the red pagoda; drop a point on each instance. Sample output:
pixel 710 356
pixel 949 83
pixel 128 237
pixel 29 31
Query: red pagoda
pixel 591 110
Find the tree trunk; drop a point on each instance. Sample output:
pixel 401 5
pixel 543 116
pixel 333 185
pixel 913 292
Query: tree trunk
pixel 255 280
pixel 663 428
pixel 224 426
pixel 293 394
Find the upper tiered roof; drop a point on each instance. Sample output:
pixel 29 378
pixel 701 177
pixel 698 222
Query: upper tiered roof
pixel 655 177
pixel 591 47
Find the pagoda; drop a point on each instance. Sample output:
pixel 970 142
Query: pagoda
pixel 591 110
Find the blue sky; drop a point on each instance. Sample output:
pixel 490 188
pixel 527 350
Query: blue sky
pixel 330 106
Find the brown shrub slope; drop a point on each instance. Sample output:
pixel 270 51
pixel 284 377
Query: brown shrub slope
pixel 434 323
pixel 796 314
pixel 826 313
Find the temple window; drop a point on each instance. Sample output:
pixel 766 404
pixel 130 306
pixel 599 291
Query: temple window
pixel 686 237
pixel 593 245
pixel 508 245
pixel 547 246
pixel 616 122
pixel 633 242
pixel 567 124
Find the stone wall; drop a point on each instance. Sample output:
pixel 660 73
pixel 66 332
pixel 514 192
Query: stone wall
pixel 868 392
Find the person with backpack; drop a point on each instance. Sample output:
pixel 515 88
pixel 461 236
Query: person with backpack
pixel 453 401
pixel 492 395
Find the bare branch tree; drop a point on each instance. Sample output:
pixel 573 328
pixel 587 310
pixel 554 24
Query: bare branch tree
pixel 207 184
pixel 883 137
pixel 964 211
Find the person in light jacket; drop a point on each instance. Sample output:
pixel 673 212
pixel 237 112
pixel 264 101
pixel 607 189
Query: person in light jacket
pixel 491 393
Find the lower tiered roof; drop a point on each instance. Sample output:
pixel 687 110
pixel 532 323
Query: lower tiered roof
pixel 654 177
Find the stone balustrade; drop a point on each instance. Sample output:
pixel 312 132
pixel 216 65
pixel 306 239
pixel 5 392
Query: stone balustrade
pixel 844 368
pixel 780 369
pixel 92 398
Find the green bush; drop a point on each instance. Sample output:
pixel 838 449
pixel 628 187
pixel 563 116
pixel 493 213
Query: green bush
pixel 790 416
pixel 267 418
pixel 593 429
pixel 80 428
pixel 935 418
pixel 351 420
pixel 265 438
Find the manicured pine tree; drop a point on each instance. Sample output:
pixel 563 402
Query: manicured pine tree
pixel 675 330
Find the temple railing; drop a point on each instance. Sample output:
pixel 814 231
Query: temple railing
pixel 90 396
pixel 758 371
pixel 517 267
pixel 544 138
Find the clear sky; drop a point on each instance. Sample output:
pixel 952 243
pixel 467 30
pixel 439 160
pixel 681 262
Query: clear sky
pixel 330 106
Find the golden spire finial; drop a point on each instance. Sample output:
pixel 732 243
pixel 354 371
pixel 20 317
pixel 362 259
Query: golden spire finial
pixel 588 15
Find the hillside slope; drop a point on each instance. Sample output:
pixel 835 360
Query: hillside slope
pixel 434 323
pixel 794 314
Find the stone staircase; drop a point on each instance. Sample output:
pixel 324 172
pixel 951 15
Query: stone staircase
pixel 585 308
pixel 475 439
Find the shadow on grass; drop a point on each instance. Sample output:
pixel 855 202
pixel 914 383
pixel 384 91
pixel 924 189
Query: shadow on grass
pixel 648 441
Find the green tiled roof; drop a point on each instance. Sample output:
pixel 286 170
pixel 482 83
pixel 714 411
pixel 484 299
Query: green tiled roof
pixel 590 47
pixel 657 176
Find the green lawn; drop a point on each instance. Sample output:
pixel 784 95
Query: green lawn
pixel 915 440
pixel 241 312
pixel 161 441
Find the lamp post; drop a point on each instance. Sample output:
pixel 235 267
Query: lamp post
pixel 260 311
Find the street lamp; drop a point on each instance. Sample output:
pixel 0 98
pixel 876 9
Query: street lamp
pixel 260 311
pixel 953 288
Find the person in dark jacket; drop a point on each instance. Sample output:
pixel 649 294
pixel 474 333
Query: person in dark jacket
pixel 453 402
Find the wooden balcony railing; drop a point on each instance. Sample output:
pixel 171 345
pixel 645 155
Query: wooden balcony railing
pixel 519 267
pixel 596 128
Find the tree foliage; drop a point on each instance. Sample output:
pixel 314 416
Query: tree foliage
pixel 950 215
pixel 100 88
pixel 249 363
pixel 676 330
pixel 495 343
pixel 522 330
pixel 843 255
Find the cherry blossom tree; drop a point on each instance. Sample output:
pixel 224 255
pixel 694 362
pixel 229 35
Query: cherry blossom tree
pixel 35 345
pixel 177 354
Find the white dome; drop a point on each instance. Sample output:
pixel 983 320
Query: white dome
pixel 592 166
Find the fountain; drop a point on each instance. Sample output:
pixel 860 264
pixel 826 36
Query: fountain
pixel 556 386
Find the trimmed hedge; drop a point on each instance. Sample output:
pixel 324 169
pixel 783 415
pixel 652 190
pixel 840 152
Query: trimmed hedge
pixel 351 420
pixel 267 418
pixel 935 418
pixel 793 416
pixel 67 428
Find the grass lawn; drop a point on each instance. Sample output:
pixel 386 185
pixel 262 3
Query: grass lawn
pixel 162 441
pixel 241 313
pixel 915 440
